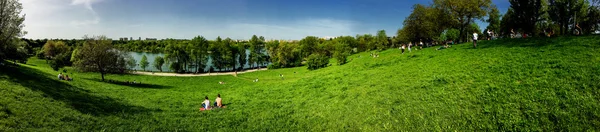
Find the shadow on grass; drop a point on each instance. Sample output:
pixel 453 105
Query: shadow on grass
pixel 79 99
pixel 143 85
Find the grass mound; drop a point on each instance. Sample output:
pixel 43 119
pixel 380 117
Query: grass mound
pixel 519 85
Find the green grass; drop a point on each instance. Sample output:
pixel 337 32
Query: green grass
pixel 508 85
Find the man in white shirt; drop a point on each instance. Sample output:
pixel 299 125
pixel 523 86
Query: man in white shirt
pixel 474 40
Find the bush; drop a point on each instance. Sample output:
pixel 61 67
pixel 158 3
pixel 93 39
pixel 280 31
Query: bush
pixel 452 34
pixel 316 61
pixel 274 66
pixel 40 54
pixel 175 66
pixel 341 57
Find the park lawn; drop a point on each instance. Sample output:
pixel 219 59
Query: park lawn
pixel 511 85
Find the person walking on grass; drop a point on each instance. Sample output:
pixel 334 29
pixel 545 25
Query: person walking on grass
pixel 474 40
pixel 402 48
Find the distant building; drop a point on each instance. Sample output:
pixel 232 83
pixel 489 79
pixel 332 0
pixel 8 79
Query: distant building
pixel 151 39
pixel 140 38
pixel 130 38
pixel 123 39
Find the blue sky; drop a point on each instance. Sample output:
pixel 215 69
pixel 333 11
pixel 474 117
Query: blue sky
pixel 237 19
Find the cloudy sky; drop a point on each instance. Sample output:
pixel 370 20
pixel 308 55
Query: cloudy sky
pixel 237 19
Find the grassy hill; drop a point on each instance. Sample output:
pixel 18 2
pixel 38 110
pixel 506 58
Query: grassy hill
pixel 520 84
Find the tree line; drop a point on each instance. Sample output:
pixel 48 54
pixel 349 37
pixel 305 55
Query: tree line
pixel 440 20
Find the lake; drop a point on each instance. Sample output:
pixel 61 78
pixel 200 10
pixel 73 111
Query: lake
pixel 138 56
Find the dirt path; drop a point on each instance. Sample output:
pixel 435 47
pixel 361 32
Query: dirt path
pixel 196 75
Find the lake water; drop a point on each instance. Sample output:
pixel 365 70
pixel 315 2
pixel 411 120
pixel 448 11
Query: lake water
pixel 138 56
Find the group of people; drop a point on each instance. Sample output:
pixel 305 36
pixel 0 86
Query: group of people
pixel 64 77
pixel 206 103
pixel 374 55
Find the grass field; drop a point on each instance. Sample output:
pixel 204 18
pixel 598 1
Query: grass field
pixel 508 85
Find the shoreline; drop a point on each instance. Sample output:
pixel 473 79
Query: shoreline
pixel 195 75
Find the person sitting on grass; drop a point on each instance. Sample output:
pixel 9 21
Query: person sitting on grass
pixel 218 102
pixel 205 104
pixel 68 78
pixel 60 76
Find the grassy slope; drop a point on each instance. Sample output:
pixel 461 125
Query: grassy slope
pixel 534 84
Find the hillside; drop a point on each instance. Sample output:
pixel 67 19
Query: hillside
pixel 519 85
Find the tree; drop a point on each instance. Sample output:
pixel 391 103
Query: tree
pixel 176 54
pixel 158 63
pixel 199 52
pixel 308 45
pixel 316 61
pixel 382 40
pixel 464 12
pixel 342 48
pixel 57 54
pixel 452 34
pixel 507 23
pixel 54 48
pixel 526 14
pixel 567 13
pixel 11 25
pixel 144 62
pixel 98 55
pixel 131 63
pixel 425 22
pixel 256 50
pixel 242 55
pixel 494 19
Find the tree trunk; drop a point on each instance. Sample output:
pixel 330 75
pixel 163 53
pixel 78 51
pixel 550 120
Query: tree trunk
pixel 102 73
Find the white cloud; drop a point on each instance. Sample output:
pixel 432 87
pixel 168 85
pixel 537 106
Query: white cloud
pixel 86 3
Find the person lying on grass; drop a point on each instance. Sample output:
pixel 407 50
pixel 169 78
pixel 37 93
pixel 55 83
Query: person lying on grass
pixel 205 104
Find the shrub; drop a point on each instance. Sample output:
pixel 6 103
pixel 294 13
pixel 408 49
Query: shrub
pixel 40 54
pixel 273 66
pixel 316 61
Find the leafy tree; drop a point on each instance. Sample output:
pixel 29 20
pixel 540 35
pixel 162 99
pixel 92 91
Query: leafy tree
pixel 464 11
pixel 175 52
pixel 144 62
pixel 199 52
pixel 131 62
pixel 217 54
pixel 424 22
pixel 566 13
pixel 73 54
pixel 526 14
pixel 158 63
pixel 365 42
pixel 382 40
pixel 242 55
pixel 508 23
pixel 11 25
pixel 494 19
pixel 452 34
pixel 256 50
pixel 316 61
pixel 342 49
pixel 402 36
pixel 308 45
pixel 54 48
pixel 98 55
